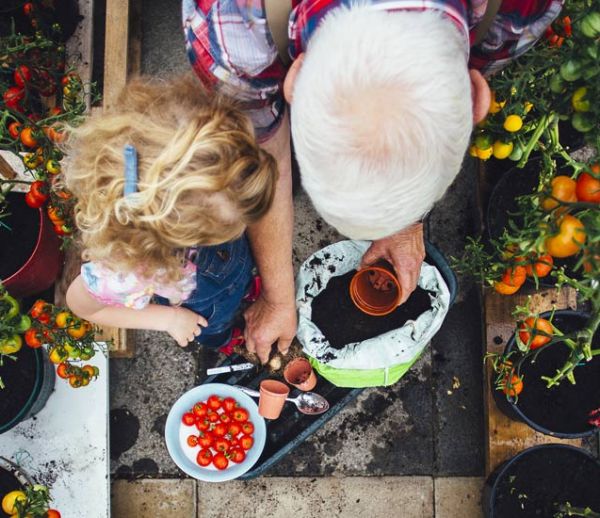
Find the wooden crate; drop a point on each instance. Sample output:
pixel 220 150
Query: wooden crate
pixel 122 58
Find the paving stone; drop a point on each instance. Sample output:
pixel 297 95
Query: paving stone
pixel 146 498
pixel 327 497
pixel 458 497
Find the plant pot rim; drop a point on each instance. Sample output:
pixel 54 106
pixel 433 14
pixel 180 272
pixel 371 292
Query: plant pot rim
pixel 18 472
pixel 41 225
pixel 365 306
pixel 35 391
pixel 562 435
pixel 503 468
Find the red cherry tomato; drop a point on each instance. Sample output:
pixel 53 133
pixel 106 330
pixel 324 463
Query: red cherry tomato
pixel 246 442
pixel 214 402
pixel 229 404
pixel 220 461
pixel 205 439
pixel 22 75
pixel 234 429
pixel 248 428
pixel 188 419
pixel 220 430
pixel 221 444
pixel 240 415
pixel 192 440
pixel 32 338
pixel 205 457
pixel 237 455
pixel 200 409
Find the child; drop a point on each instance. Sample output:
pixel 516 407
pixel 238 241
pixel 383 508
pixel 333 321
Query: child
pixel 164 237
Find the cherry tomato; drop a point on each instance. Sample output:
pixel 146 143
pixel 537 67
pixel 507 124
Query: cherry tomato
pixel 563 190
pixel 225 418
pixel 541 267
pixel 248 428
pixel 514 276
pixel 188 419
pixel 32 338
pixel 220 461
pixel 246 442
pixel 12 98
pixel 62 319
pixel 55 214
pixel 14 129
pixel 542 332
pixel 214 402
pixel 570 238
pixel 514 387
pixel 221 444
pixel 205 457
pixel 11 344
pixel 234 429
pixel 53 166
pixel 220 430
pixel 200 409
pixel 240 415
pixel 212 416
pixel 52 513
pixel 39 308
pixel 205 439
pixel 505 289
pixel 63 370
pixel 77 329
pixel 229 404
pixel 76 381
pixel 39 190
pixel 22 75
pixel 513 123
pixel 202 424
pixel 28 9
pixel 192 440
pixel 588 186
pixel 237 455
pixel 32 201
pixel 89 372
pixel 27 137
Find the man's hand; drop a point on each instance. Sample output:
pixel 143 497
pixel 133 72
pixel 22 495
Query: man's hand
pixel 405 250
pixel 268 322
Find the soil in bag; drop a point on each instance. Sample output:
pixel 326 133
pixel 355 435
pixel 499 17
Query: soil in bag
pixel 342 323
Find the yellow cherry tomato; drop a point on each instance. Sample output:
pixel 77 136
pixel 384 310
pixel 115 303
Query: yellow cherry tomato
pixel 495 106
pixel 528 106
pixel 53 166
pixel 578 102
pixel 9 500
pixel 563 190
pixel 58 355
pixel 502 150
pixel 570 238
pixel 30 160
pixel 473 151
pixel 484 154
pixel 513 123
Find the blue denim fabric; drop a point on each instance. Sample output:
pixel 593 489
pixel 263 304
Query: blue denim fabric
pixel 223 275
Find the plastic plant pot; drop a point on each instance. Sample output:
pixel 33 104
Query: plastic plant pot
pixel 43 266
pixel 371 300
pixel 272 398
pixel 300 374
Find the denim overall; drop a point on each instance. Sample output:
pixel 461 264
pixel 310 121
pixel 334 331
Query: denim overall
pixel 223 276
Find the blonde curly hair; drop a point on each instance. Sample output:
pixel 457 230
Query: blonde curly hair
pixel 202 176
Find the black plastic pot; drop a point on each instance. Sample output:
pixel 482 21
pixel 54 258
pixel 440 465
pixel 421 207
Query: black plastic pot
pixel 503 205
pixel 12 478
pixel 29 382
pixel 561 411
pixel 535 481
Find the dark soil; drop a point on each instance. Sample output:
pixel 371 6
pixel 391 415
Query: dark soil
pixel 17 244
pixel 564 408
pixel 19 379
pixel 503 205
pixel 342 323
pixel 539 481
pixel 8 483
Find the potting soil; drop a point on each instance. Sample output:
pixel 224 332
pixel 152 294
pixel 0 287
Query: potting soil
pixel 19 379
pixel 342 323
pixel 538 481
pixel 18 243
pixel 563 408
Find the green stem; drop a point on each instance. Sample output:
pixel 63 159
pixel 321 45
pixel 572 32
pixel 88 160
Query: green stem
pixel 543 124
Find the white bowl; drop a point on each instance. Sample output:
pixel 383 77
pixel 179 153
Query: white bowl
pixel 176 433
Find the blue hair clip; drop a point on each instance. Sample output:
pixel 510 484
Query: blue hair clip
pixel 131 170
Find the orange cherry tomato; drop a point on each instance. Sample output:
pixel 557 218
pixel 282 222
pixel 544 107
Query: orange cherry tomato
pixel 588 186
pixel 77 329
pixel 62 319
pixel 563 190
pixel 27 137
pixel 514 276
pixel 62 370
pixel 541 267
pixel 541 329
pixel 505 289
pixel 570 238
pixel 514 388
pixel 14 129
pixel 52 513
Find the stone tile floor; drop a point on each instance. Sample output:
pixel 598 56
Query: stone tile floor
pixel 414 449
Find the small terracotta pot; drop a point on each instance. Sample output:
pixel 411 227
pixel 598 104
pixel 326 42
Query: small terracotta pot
pixel 371 300
pixel 272 398
pixel 300 374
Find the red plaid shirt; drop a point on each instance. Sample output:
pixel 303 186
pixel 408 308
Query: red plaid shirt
pixel 231 49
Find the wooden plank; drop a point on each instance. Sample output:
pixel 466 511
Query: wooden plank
pixel 122 52
pixel 505 437
pixel 80 50
pixel 6 169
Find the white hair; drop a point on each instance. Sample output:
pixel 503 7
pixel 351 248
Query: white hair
pixel 381 117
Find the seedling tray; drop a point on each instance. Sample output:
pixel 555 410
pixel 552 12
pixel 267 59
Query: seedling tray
pixel 292 427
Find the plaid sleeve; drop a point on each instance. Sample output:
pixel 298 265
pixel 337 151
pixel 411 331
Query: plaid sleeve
pixel 230 48
pixel 515 29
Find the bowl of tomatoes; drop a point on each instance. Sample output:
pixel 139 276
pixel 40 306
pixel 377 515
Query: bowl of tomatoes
pixel 215 433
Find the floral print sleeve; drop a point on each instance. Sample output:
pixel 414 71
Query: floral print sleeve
pixel 133 291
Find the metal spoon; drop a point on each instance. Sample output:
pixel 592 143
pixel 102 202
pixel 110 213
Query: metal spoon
pixel 308 402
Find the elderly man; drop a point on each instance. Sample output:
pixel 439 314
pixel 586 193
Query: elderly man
pixel 383 97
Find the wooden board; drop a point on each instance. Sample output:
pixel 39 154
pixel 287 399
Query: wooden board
pixel 505 437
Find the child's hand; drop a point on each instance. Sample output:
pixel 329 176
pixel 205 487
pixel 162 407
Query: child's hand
pixel 184 325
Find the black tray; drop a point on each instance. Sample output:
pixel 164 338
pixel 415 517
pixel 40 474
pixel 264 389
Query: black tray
pixel 292 427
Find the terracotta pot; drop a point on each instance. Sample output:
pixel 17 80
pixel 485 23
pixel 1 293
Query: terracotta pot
pixel 272 398
pixel 300 374
pixel 371 300
pixel 43 266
